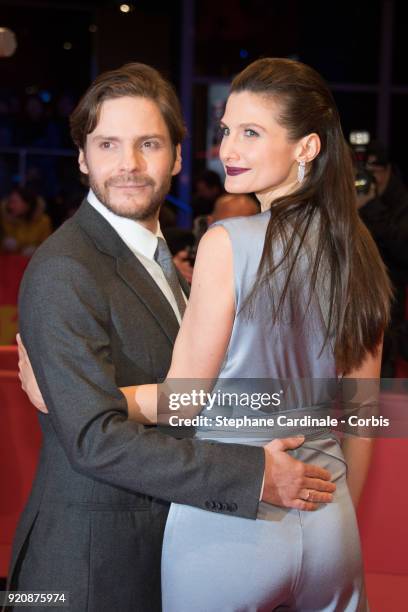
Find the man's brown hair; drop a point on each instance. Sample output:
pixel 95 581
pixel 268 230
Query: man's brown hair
pixel 134 79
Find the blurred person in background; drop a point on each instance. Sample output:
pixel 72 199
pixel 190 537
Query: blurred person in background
pixel 24 224
pixel 384 210
pixel 208 187
pixel 185 243
pixel 226 206
pixel 38 130
pixel 233 205
pixel 390 186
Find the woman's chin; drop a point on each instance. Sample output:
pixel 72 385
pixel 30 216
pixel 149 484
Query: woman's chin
pixel 234 186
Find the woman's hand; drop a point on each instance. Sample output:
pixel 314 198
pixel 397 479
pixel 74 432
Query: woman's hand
pixel 28 381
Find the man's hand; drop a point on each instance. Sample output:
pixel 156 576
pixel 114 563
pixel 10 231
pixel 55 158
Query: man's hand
pixel 28 381
pixel 291 483
pixel 182 262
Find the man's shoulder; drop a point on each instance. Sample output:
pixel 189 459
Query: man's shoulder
pixel 70 244
pixel 68 255
pixel 69 239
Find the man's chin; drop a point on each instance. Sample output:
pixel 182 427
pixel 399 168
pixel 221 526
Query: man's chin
pixel 138 211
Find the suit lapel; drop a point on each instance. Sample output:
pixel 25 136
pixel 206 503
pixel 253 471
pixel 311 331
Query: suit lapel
pixel 139 280
pixel 128 267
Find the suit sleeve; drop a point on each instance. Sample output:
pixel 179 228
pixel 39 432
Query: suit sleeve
pixel 64 324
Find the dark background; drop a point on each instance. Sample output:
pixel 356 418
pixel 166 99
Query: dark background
pixel 360 48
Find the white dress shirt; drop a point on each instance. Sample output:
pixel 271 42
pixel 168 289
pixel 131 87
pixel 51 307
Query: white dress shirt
pixel 142 242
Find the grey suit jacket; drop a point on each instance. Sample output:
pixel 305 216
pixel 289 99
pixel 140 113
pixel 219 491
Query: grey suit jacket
pixel 93 320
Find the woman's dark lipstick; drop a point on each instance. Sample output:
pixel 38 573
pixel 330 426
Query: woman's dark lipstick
pixel 232 171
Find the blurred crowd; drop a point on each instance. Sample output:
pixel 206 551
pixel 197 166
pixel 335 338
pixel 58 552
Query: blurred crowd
pixel 24 225
pixel 36 150
pixel 35 121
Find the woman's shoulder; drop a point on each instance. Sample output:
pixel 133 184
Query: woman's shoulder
pixel 246 237
pixel 242 226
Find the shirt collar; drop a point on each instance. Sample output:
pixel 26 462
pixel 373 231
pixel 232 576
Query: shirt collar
pixel 139 239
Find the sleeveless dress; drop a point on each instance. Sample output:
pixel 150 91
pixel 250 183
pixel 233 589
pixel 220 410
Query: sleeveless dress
pixel 285 559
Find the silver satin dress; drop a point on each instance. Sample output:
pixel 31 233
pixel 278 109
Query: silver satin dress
pixel 285 559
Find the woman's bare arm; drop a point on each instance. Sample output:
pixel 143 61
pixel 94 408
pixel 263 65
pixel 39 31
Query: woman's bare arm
pixel 204 333
pixel 358 450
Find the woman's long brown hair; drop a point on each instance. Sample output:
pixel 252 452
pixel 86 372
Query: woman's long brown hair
pixel 359 289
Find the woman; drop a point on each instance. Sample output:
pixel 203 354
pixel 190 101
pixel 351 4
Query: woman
pixel 296 292
pixel 24 225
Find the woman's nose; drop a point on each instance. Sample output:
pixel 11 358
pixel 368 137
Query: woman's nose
pixel 228 149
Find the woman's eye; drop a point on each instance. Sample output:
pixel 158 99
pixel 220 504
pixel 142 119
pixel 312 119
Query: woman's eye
pixel 249 132
pixel 224 131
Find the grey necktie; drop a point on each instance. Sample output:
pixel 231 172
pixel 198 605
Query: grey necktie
pixel 165 260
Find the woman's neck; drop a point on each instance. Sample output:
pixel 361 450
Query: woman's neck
pixel 268 197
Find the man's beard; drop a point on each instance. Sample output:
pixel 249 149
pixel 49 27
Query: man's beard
pixel 137 212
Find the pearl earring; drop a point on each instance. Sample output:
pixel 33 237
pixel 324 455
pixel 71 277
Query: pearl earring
pixel 301 171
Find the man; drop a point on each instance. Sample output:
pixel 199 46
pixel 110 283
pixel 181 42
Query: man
pixel 98 312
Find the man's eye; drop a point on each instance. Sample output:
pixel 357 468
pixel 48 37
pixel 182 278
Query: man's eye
pixel 151 144
pixel 249 132
pixel 106 145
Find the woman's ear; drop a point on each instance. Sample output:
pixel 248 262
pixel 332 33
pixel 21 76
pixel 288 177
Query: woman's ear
pixel 308 148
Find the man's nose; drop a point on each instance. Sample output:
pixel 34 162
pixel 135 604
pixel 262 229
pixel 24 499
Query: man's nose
pixel 132 159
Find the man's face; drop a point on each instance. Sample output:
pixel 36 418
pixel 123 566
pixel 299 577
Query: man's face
pixel 129 158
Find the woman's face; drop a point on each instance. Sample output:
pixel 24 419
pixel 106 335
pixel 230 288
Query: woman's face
pixel 255 150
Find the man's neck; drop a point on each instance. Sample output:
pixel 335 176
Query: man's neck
pixel 150 224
